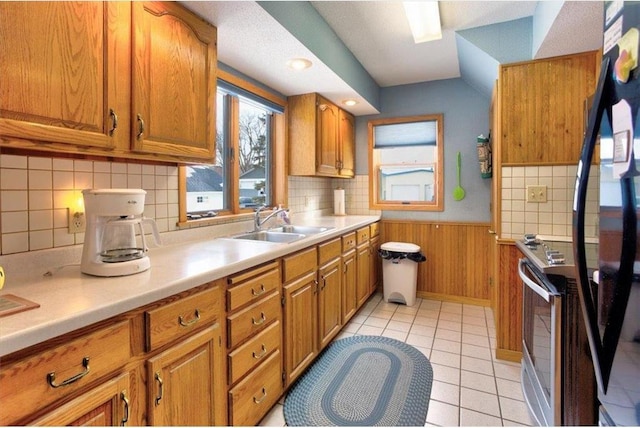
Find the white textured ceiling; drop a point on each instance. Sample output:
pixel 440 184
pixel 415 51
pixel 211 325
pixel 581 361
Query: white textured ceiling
pixel 254 43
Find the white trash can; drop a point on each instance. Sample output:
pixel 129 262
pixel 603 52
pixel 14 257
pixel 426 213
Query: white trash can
pixel 400 271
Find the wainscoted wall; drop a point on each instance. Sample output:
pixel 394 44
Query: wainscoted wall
pixel 551 218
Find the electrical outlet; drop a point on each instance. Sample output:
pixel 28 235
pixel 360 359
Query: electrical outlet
pixel 77 222
pixel 536 193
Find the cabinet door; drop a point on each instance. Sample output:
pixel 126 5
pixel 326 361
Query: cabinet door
pixel 65 72
pixel 300 324
pixel 374 271
pixel 104 405
pixel 349 278
pixel 184 380
pixel 174 82
pixel 327 138
pixel 363 263
pixel 329 301
pixel 347 144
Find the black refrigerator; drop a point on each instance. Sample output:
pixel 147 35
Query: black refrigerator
pixel 610 295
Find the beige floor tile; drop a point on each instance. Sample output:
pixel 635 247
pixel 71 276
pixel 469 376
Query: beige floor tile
pixel 510 389
pixel 376 322
pixel 479 401
pixel 418 340
pixel 403 309
pixel 507 371
pixel 470 418
pixel 442 414
pixel 445 392
pixel 478 381
pixel 274 418
pixel 343 334
pixel 430 322
pixel 422 330
pixel 476 365
pixel 474 339
pixel 351 327
pixel 452 335
pixel 431 304
pixel 446 345
pixel 450 316
pixel 475 329
pixel 476 351
pixel 446 374
pixel 368 330
pixel 469 319
pixel 450 325
pixel 451 307
pixel 403 317
pixel 508 423
pixel 395 334
pixel 428 313
pixel 515 410
pixel 399 326
pixel 473 310
pixel 381 313
pixel 425 351
pixel 445 358
pixel 386 306
pixel 358 319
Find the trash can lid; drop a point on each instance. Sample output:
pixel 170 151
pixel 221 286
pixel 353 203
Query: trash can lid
pixel 401 247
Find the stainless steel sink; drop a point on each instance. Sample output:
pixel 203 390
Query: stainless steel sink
pixel 271 236
pixel 305 230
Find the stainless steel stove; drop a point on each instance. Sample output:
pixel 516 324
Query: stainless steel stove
pixel 554 257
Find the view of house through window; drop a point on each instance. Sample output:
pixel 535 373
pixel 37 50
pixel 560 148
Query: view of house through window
pixel 240 177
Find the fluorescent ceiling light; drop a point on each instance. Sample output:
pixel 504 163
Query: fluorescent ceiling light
pixel 424 20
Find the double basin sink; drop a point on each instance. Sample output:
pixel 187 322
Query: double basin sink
pixel 283 234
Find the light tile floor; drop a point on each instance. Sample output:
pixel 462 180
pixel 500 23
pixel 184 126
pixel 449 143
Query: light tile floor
pixel 470 387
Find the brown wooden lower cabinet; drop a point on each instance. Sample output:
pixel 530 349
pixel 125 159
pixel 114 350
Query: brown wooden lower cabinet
pixel 349 300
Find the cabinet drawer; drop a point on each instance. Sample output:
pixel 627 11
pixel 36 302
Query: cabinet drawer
pixel 299 264
pixel 173 320
pixel 374 229
pixel 249 321
pixel 37 381
pixel 255 351
pixel 348 242
pixel 362 235
pixel 252 289
pixel 252 398
pixel 329 250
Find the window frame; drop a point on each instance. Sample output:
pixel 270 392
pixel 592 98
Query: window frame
pixel 374 167
pixel 277 160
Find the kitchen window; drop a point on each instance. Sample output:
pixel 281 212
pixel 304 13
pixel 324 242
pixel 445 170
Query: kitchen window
pixel 405 163
pixel 248 171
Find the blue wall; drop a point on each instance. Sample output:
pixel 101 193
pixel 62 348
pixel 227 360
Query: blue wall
pixel 466 115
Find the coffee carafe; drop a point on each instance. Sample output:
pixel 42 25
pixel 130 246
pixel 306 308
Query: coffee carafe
pixel 114 218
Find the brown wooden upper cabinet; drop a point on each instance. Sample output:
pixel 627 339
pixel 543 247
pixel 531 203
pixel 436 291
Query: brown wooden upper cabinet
pixel 542 115
pixel 67 71
pixel 321 138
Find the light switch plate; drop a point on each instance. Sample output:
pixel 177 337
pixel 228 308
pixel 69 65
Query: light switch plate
pixel 536 193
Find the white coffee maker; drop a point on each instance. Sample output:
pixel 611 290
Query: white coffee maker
pixel 110 245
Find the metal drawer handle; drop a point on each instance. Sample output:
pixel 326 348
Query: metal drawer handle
pixel 51 377
pixel 114 121
pixel 260 320
pixel 261 354
pixel 140 127
pixel 261 399
pixel 193 321
pixel 259 292
pixel 160 388
pixel 123 397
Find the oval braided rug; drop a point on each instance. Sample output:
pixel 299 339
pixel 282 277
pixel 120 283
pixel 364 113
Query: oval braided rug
pixel 362 381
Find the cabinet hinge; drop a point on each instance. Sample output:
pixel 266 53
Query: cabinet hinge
pixel 282 300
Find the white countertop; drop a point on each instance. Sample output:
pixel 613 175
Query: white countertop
pixel 70 299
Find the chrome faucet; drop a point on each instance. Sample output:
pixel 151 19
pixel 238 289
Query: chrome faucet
pixel 258 222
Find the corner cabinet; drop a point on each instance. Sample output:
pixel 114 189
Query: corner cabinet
pixel 319 127
pixel 174 81
pixel 123 79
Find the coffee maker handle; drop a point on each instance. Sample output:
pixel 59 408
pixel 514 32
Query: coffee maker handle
pixel 154 229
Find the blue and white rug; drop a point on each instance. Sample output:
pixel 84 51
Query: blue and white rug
pixel 362 381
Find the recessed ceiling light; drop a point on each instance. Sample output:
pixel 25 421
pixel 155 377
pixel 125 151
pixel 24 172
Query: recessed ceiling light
pixel 349 102
pixel 298 63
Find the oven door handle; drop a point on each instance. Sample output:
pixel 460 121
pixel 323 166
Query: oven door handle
pixel 541 291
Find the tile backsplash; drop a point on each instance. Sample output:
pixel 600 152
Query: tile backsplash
pixel 551 218
pixel 37 191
